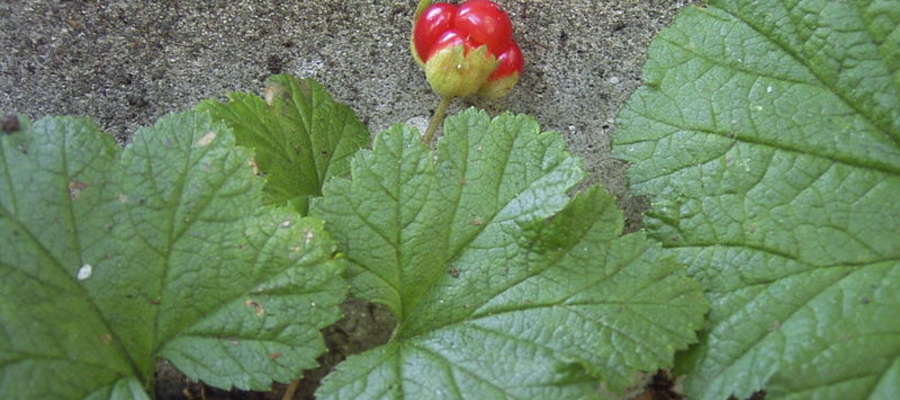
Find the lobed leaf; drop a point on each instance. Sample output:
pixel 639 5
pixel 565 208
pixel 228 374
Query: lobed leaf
pixel 503 286
pixel 301 137
pixel 769 137
pixel 111 259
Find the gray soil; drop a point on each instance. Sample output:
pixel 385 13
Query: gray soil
pixel 127 62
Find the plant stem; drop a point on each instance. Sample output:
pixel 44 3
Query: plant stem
pixel 437 119
pixel 291 389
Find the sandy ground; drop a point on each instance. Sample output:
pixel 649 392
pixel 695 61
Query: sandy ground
pixel 127 62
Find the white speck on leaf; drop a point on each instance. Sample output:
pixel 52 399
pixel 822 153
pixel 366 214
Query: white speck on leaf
pixel 308 237
pixel 206 139
pixel 123 198
pixel 769 89
pixel 85 272
pixel 285 224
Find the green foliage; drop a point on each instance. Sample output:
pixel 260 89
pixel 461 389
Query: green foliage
pixel 768 136
pixel 300 136
pixel 502 285
pixel 111 259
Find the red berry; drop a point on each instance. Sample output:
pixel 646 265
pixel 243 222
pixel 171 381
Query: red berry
pixel 510 61
pixel 485 23
pixel 490 61
pixel 449 38
pixel 431 24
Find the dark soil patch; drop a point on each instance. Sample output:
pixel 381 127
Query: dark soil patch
pixel 660 387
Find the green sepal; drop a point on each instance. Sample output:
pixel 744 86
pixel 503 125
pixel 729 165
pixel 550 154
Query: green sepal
pixel 453 73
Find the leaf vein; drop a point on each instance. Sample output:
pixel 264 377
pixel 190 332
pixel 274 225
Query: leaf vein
pixel 883 130
pixel 872 165
pixel 477 377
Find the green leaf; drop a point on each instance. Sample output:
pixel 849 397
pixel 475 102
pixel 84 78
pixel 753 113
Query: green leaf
pixel 111 259
pixel 769 138
pixel 503 286
pixel 301 137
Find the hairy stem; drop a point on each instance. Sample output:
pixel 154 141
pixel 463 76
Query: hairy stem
pixel 437 119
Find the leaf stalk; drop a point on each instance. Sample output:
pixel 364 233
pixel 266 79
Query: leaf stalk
pixel 437 119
